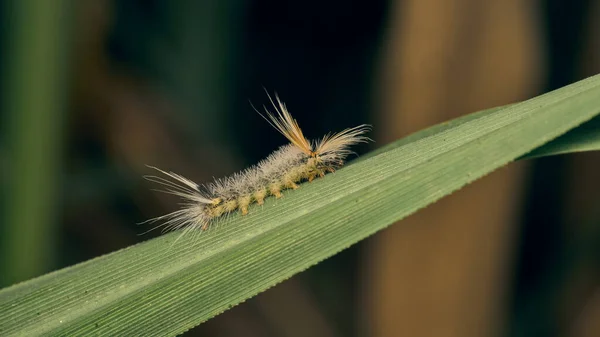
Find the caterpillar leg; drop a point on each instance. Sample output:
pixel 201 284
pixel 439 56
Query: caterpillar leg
pixel 276 191
pixel 291 185
pixel 243 204
pixel 260 196
pixel 314 173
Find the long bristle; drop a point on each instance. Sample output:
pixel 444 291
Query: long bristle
pixel 191 215
pixel 337 145
pixel 179 186
pixel 287 125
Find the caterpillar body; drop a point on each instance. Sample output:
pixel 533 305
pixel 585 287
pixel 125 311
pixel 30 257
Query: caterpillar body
pixel 301 160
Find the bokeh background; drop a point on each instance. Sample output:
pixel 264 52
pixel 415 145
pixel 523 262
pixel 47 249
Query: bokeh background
pixel 93 90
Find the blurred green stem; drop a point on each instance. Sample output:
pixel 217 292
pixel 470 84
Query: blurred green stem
pixel 34 104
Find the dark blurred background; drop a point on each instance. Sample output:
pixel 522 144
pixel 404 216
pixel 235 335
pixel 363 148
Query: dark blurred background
pixel 93 90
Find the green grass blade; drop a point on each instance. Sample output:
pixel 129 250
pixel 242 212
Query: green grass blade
pixel 163 288
pixel 583 138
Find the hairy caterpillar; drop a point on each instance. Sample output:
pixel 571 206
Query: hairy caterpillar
pixel 301 160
